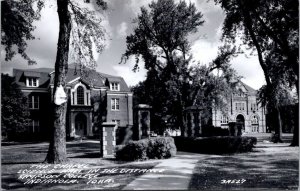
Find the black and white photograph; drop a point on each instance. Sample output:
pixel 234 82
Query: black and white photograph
pixel 149 95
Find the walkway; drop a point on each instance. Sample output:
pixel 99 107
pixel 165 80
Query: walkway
pixel 177 174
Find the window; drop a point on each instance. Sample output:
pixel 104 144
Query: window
pixel 254 123
pixel 224 119
pixel 254 120
pixel 114 86
pixel 116 121
pixel 73 98
pixel 32 82
pixel 34 126
pixel 33 102
pixel 240 106
pixel 115 104
pixel 253 107
pixel 80 95
pixel 87 98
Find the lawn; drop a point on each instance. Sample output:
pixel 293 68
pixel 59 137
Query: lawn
pixel 15 159
pixel 270 166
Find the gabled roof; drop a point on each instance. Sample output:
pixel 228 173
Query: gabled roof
pixel 42 74
pixel 92 77
pixel 249 89
pixel 32 74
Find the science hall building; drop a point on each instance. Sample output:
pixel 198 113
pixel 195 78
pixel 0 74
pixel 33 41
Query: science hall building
pixel 242 108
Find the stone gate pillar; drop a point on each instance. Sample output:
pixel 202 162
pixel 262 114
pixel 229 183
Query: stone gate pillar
pixel 141 121
pixel 108 142
pixel 193 126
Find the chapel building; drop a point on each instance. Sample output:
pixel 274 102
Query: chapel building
pixel 93 98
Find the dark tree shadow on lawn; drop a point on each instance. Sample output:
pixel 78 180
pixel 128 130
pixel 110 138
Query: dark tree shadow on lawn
pixel 264 172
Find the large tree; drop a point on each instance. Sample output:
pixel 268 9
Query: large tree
pixel 79 27
pixel 161 40
pixel 14 108
pixel 70 14
pixel 271 29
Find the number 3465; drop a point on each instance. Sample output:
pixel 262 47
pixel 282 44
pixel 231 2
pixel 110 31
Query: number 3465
pixel 234 181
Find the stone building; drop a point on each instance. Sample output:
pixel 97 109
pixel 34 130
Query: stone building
pixel 242 108
pixel 93 98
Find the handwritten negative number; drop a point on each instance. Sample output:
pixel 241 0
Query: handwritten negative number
pixel 234 181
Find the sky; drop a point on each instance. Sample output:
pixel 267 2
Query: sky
pixel 117 21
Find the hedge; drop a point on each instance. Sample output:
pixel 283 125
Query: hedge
pixel 152 148
pixel 211 131
pixel 215 145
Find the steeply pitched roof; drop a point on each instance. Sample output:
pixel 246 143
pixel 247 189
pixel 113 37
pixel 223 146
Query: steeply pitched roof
pixel 97 79
pixel 94 78
pixel 21 74
pixel 250 90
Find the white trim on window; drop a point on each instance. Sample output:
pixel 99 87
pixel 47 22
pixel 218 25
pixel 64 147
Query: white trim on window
pixel 114 86
pixel 32 82
pixel 86 95
pixel 115 104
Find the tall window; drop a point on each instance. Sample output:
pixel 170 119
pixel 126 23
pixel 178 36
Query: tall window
pixel 32 82
pixel 240 106
pixel 80 95
pixel 115 104
pixel 33 102
pixel 253 107
pixel 254 123
pixel 34 126
pixel 115 86
pixel 254 120
pixel 224 119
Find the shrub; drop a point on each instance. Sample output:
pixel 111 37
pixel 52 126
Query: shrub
pixel 134 150
pixel 152 148
pixel 215 145
pixel 161 147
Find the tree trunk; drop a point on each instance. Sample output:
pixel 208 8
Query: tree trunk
pixel 249 25
pixel 295 141
pixel 57 148
pixel 278 127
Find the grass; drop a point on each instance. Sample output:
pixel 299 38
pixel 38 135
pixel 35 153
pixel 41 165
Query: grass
pixel 15 159
pixel 272 166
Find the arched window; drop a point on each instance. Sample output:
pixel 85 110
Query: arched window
pixel 254 120
pixel 80 95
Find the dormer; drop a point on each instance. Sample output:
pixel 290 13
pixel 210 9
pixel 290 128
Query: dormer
pixel 114 86
pixel 32 78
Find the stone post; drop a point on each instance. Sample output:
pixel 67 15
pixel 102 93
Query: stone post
pixel 192 124
pixel 200 126
pixel 108 142
pixel 142 121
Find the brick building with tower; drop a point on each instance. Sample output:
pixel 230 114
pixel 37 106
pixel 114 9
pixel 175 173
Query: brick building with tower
pixel 242 108
pixel 93 98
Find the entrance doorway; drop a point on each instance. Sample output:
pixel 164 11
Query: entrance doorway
pixel 240 122
pixel 80 125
